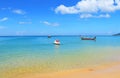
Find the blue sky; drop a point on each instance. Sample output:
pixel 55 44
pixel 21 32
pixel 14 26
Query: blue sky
pixel 59 17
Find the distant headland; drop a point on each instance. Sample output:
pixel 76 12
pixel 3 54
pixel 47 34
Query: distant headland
pixel 118 34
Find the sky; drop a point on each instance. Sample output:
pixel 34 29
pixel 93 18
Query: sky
pixel 59 17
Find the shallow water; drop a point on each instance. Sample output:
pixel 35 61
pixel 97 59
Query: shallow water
pixel 39 54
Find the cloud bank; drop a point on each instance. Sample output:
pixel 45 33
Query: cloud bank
pixel 91 8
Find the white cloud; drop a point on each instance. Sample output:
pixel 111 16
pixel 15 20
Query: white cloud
pixel 90 7
pixel 25 22
pixel 16 11
pixel 86 15
pixel 104 15
pixel 19 11
pixel 66 10
pixel 94 16
pixel 49 24
pixel 3 19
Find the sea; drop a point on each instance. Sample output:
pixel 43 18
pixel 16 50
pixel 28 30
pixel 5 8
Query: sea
pixel 38 54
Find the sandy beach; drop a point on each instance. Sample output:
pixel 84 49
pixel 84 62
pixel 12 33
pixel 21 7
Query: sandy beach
pixel 104 71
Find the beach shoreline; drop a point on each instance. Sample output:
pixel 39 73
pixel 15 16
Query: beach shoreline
pixel 103 71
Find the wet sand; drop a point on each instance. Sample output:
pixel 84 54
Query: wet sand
pixel 103 71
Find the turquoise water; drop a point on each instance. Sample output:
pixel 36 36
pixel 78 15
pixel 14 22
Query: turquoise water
pixel 39 54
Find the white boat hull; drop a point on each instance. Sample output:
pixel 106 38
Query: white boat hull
pixel 57 43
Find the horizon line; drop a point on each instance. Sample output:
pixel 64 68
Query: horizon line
pixel 49 35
